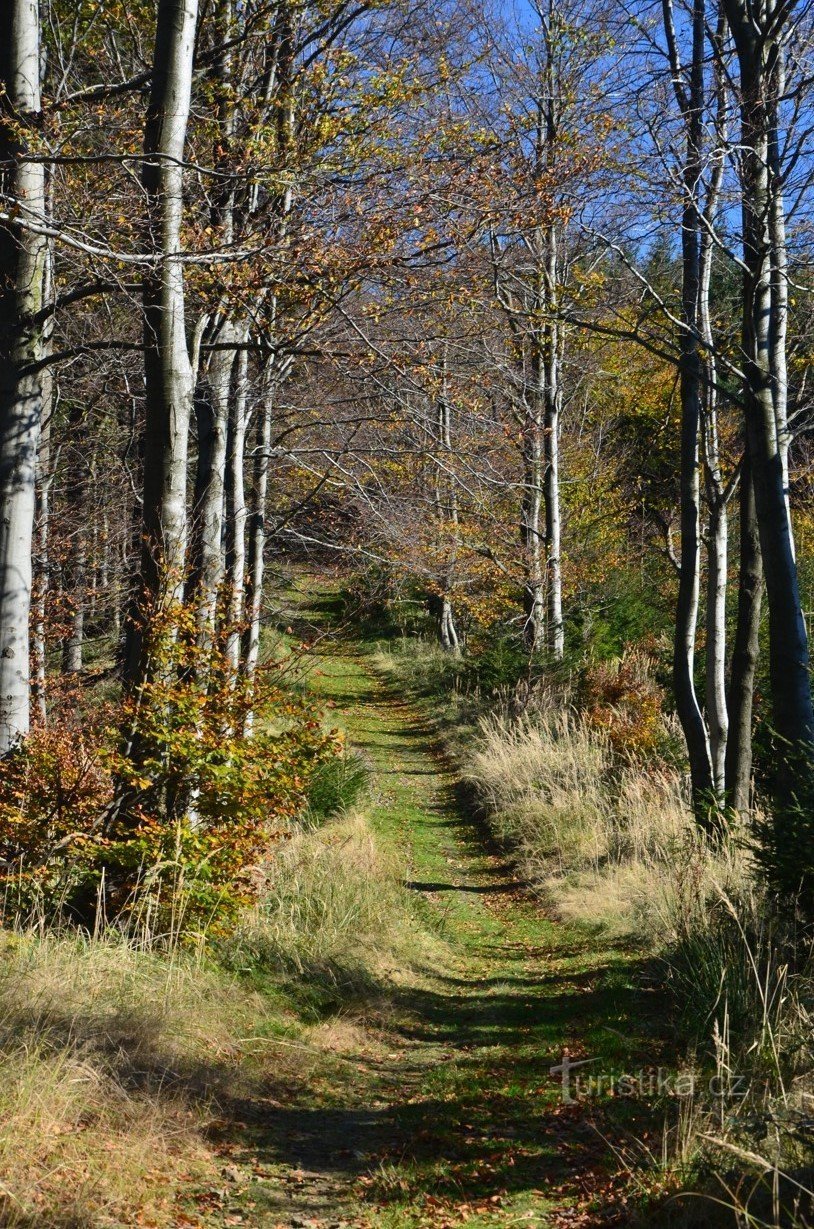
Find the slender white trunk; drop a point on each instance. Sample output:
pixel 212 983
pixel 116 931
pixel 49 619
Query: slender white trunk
pixel 212 402
pixel 45 479
pixel 212 416
pixel 717 714
pixel 551 443
pixel 22 267
pixel 531 510
pixel 693 384
pixel 167 367
pixel 764 367
pixel 745 649
pixel 257 523
pixel 779 273
pixel 75 568
pixel 445 498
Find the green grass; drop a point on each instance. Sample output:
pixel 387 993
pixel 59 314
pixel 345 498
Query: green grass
pixel 471 1122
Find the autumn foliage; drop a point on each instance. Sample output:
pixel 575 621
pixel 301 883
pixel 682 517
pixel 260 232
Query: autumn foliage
pixel 158 805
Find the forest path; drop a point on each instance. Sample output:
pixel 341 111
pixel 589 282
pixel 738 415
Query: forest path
pixel 451 1115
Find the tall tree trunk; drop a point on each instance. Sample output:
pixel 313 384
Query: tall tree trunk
pixel 278 94
pixel 745 650
pixel 72 646
pixel 212 418
pixel 764 369
pixel 531 509
pixel 236 512
pixel 74 571
pixel 779 270
pixel 46 465
pixel 716 702
pixel 446 511
pixel 168 374
pixel 45 478
pixel 212 404
pixel 551 445
pixel 691 105
pixel 104 566
pixel 22 267
pixel 718 492
pixel 257 522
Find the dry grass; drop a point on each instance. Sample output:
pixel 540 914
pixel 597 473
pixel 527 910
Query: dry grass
pixel 333 911
pixel 109 1060
pixel 76 1145
pixel 113 1059
pixel 608 846
pixel 619 848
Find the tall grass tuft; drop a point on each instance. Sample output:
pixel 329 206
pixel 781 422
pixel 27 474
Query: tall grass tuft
pixel 615 844
pixel 332 915
pixel 600 842
pixel 336 785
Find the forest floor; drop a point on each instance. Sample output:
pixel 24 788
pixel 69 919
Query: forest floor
pixel 438 1107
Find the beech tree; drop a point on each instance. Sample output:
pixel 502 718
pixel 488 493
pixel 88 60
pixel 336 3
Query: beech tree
pixel 759 35
pixel 168 374
pixel 23 252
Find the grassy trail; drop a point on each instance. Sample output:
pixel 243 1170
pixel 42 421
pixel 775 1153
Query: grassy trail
pixel 444 1112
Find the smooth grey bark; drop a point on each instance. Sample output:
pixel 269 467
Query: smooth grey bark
pixel 540 514
pixel 74 570
pixel 718 493
pixel 745 650
pixel 46 468
pixel 168 373
pixel 212 399
pixel 533 312
pixel 212 419
pixel 541 522
pixel 236 512
pixel 72 646
pixel 757 35
pixel 278 96
pixel 691 375
pixel 447 632
pixel 22 267
pixel 551 454
pixel 717 713
pixel 445 497
pixel 257 522
pixel 45 478
pixel 531 507
pixel 779 272
pixel 104 568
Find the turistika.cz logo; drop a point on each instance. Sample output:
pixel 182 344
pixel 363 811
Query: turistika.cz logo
pixel 580 1080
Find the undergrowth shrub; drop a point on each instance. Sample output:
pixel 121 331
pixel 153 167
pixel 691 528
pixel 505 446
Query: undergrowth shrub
pixel 621 698
pixel 335 785
pixel 160 806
